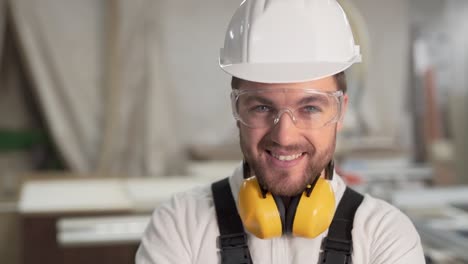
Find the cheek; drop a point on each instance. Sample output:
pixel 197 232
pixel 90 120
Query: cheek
pixel 322 138
pixel 251 137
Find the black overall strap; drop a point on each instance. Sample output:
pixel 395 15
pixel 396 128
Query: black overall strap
pixel 337 246
pixel 232 240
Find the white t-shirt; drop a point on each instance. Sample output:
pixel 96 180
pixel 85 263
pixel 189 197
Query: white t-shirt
pixel 185 230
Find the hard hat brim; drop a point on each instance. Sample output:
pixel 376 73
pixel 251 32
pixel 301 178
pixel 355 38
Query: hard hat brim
pixel 284 72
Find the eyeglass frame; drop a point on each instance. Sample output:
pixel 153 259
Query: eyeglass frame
pixel 338 95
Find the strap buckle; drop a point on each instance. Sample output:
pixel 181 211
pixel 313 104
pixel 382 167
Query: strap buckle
pixel 336 251
pixel 234 249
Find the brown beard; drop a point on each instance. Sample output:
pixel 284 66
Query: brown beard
pixel 274 181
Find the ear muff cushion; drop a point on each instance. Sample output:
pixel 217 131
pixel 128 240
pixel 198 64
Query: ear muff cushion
pixel 259 215
pixel 315 213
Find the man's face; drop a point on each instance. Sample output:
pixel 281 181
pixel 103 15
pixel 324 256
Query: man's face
pixel 283 157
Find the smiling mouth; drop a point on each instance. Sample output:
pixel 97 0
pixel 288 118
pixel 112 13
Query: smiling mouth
pixel 286 157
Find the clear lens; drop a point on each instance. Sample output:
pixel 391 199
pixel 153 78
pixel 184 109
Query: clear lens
pixel 308 108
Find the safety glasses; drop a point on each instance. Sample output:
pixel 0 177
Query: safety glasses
pixel 308 108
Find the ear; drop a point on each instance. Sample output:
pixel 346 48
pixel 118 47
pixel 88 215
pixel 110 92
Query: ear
pixel 344 107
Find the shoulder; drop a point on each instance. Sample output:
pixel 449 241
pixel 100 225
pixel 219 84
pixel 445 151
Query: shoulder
pixel 386 233
pixel 377 215
pixel 195 202
pixel 179 227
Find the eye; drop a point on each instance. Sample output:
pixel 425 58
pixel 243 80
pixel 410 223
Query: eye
pixel 261 109
pixel 311 109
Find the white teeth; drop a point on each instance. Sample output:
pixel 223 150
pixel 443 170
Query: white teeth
pixel 286 158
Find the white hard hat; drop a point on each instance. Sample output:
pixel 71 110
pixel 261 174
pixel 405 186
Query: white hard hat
pixel 285 41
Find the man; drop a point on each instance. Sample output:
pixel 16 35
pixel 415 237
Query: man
pixel 287 59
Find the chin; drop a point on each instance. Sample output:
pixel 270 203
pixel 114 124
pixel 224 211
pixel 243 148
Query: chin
pixel 283 183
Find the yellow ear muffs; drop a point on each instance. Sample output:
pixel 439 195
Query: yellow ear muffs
pixel 264 216
pixel 258 210
pixel 314 212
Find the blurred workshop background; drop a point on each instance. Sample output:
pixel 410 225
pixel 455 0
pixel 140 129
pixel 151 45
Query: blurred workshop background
pixel 108 107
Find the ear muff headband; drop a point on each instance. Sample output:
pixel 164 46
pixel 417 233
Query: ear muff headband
pixel 290 214
pixel 282 213
pixel 261 215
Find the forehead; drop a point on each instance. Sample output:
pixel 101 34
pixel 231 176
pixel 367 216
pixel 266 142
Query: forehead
pixel 327 84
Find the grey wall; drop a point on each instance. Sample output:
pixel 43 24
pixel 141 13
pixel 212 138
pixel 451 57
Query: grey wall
pixel 192 32
pixel 388 72
pixel 443 25
pixel 456 13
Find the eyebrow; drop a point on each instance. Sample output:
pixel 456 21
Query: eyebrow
pixel 312 99
pixel 256 98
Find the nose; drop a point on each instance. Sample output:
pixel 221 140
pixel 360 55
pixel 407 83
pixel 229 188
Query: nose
pixel 280 114
pixel 284 129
